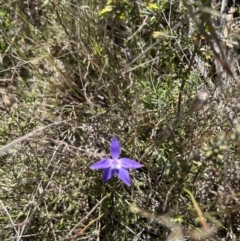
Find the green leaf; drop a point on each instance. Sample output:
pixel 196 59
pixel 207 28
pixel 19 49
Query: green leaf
pixel 153 6
pixel 105 10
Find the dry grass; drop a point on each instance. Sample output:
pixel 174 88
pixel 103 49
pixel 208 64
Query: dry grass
pixel 157 79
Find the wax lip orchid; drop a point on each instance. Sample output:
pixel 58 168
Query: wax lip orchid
pixel 116 166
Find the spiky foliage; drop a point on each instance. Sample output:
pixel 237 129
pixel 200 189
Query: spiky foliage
pixel 158 76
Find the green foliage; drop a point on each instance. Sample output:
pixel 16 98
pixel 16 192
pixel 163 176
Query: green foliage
pixel 5 26
pixel 130 69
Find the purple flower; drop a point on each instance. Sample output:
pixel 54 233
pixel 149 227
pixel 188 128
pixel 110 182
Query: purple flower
pixel 116 166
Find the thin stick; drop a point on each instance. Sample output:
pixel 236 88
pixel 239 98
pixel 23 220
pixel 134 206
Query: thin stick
pixel 5 149
pixel 77 224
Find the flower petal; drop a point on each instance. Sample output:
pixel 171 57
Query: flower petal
pixel 102 164
pixel 115 148
pixel 107 174
pixel 124 176
pixel 129 164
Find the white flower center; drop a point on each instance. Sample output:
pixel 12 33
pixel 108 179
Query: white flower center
pixel 115 164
